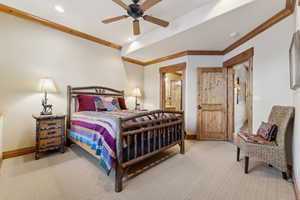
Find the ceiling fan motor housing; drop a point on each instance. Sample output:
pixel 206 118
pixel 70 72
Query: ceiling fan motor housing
pixel 135 11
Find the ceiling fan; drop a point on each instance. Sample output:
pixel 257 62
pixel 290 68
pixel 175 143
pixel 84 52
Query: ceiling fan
pixel 137 11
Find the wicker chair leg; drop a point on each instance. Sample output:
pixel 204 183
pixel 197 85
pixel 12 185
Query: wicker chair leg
pixel 284 176
pixel 238 154
pixel 246 164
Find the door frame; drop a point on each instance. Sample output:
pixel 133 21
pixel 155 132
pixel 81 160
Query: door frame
pixel 229 64
pixel 199 69
pixel 171 69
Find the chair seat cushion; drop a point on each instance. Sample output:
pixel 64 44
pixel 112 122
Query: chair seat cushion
pixel 250 138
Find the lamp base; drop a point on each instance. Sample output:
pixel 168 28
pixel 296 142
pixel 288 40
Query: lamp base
pixel 47 108
pixel 46 113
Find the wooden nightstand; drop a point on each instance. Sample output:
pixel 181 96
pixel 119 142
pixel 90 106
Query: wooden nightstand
pixel 50 133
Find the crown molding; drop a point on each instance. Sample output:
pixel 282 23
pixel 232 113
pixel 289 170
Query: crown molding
pixel 173 56
pixel 204 53
pixel 243 57
pixel 134 61
pixel 290 7
pixel 28 16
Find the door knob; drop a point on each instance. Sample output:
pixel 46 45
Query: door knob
pixel 199 107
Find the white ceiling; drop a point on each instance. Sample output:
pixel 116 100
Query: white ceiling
pixel 86 16
pixel 213 34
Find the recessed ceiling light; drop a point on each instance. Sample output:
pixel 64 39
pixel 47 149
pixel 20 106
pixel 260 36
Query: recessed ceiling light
pixel 234 34
pixel 59 8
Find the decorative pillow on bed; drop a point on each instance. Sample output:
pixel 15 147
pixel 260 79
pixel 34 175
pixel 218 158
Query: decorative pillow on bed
pixel 86 103
pixel 111 103
pixel 122 103
pixel 99 104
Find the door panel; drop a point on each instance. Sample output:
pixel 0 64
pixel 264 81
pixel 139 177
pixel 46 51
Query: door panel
pixel 212 103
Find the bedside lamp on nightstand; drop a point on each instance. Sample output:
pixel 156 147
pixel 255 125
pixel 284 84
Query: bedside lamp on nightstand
pixel 46 86
pixel 137 93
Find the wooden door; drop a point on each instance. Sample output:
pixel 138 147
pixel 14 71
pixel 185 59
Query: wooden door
pixel 212 104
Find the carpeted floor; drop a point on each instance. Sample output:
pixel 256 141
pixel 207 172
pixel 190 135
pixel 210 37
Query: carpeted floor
pixel 208 171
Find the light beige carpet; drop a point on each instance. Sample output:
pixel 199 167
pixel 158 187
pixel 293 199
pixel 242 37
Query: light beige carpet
pixel 208 171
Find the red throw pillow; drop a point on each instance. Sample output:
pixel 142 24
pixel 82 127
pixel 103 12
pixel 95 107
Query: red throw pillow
pixel 122 103
pixel 86 103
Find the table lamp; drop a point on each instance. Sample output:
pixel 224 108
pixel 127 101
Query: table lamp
pixel 46 86
pixel 136 93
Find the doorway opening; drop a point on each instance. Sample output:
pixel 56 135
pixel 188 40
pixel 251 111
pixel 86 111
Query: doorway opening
pixel 172 80
pixel 240 98
pixel 240 74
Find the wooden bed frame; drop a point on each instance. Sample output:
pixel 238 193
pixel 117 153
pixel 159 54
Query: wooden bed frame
pixel 144 139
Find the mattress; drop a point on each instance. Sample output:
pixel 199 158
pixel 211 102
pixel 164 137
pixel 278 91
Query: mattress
pixel 100 130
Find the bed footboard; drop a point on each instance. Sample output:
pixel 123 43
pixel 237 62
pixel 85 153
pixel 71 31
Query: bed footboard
pixel 140 140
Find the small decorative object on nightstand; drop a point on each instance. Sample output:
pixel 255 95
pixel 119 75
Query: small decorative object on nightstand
pixel 50 133
pixel 47 85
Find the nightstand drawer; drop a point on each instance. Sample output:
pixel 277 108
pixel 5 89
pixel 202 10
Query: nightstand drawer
pixel 51 133
pixel 50 142
pixel 48 124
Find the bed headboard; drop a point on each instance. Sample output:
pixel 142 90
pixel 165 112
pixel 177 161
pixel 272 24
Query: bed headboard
pixel 90 90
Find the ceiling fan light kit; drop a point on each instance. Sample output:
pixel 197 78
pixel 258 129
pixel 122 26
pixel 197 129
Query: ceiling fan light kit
pixel 137 11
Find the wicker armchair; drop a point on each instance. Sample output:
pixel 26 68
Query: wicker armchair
pixel 274 155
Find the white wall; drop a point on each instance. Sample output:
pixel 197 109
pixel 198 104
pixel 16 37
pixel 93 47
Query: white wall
pixel 296 139
pixel 30 51
pixel 270 74
pixel 135 79
pixel 271 77
pixel 152 85
pixel 152 82
pixel 270 68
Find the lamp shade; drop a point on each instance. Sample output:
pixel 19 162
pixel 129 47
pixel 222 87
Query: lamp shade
pixel 136 92
pixel 47 85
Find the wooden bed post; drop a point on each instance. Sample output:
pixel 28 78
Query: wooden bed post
pixel 69 102
pixel 182 145
pixel 119 160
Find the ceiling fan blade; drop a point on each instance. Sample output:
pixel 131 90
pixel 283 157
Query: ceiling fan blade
pixel 149 3
pixel 136 27
pixel 121 3
pixel 114 19
pixel 157 21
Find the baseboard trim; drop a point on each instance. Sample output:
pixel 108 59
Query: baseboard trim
pixel 296 189
pixel 191 137
pixel 17 152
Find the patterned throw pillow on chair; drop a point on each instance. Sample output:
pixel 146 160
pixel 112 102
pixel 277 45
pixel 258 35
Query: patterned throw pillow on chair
pixel 267 131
